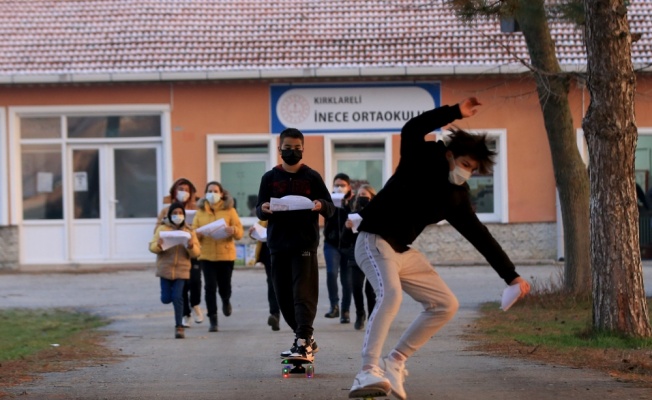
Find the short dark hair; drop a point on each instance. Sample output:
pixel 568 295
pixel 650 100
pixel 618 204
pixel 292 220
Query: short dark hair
pixel 462 143
pixel 291 133
pixel 343 177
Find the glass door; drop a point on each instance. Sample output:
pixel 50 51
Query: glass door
pixel 113 201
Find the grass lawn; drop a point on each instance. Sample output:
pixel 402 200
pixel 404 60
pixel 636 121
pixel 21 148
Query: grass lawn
pixel 35 341
pixel 556 329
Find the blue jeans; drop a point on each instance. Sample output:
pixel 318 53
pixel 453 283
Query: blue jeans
pixel 337 260
pixel 171 292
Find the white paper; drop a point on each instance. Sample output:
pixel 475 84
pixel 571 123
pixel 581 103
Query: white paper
pixel 80 180
pixel 174 238
pixel 337 199
pixel 216 229
pixel 259 233
pixel 356 219
pixel 510 296
pixel 291 203
pixel 190 215
pixel 44 182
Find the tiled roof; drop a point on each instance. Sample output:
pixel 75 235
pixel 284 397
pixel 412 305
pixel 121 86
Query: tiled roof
pixel 41 37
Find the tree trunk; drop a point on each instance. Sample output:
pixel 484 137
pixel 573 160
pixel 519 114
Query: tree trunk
pixel 570 172
pixel 610 128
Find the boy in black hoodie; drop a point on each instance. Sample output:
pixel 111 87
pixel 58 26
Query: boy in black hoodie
pixel 435 175
pixel 292 238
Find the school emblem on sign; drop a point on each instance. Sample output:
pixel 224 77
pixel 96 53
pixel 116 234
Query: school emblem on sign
pixel 294 109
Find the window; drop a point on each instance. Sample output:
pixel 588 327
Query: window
pixel 42 181
pixel 238 162
pixel 365 158
pixel 129 126
pixel 489 192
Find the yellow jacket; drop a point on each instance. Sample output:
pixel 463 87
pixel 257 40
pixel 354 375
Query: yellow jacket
pixel 174 263
pixel 218 249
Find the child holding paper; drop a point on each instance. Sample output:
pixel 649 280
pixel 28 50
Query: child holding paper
pixel 218 250
pixel 434 174
pixel 360 286
pixel 293 237
pixel 263 257
pixel 173 264
pixel 184 192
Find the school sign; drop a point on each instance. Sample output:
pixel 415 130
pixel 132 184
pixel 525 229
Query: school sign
pixel 350 108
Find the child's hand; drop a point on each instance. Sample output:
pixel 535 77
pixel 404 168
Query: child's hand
pixel 199 235
pixel 349 224
pixel 266 208
pixel 251 230
pixel 159 243
pixel 189 245
pixel 229 230
pixel 317 206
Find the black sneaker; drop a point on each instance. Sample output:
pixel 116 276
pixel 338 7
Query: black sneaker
pixel 359 322
pixel 313 345
pixel 226 308
pixel 345 319
pixel 302 350
pixel 333 313
pixel 273 321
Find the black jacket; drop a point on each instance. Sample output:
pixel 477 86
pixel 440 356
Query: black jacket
pixel 333 226
pixel 293 230
pixel 421 185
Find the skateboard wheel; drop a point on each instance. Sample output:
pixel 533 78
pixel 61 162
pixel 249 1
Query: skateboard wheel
pixel 286 371
pixel 310 371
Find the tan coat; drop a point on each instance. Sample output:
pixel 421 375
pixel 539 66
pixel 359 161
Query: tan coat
pixel 218 249
pixel 174 263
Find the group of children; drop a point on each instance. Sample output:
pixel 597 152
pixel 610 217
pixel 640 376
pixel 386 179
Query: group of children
pixel 434 174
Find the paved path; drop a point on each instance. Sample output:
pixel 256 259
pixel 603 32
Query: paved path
pixel 241 361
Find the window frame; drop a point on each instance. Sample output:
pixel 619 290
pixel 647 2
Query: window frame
pixel 213 167
pixel 4 173
pixel 501 199
pixel 330 159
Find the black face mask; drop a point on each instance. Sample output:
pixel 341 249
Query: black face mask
pixel 362 202
pixel 291 157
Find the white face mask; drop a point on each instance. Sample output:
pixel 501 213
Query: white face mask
pixel 213 197
pixel 458 175
pixel 177 219
pixel 338 189
pixel 182 196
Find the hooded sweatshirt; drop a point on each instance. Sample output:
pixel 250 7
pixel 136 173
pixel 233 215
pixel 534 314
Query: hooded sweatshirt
pixel 421 179
pixel 293 230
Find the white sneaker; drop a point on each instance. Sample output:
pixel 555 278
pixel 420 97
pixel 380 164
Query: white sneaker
pixel 370 383
pixel 185 321
pixel 302 350
pixel 199 316
pixel 396 372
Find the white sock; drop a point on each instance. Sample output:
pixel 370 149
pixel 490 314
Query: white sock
pixel 397 356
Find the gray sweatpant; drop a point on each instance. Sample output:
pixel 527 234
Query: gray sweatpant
pixel 389 273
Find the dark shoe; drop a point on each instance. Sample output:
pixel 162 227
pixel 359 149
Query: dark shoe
pixel 313 345
pixel 359 321
pixel 333 313
pixel 179 333
pixel 344 319
pixel 226 308
pixel 213 327
pixel 273 321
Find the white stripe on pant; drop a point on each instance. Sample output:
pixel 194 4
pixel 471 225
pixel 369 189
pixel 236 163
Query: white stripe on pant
pixel 389 273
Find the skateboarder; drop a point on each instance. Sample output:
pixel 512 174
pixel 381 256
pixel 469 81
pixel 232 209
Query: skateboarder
pixel 435 175
pixel 292 238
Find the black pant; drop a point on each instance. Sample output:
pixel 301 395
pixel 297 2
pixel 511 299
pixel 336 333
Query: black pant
pixel 217 277
pixel 296 282
pixel 264 257
pixel 192 287
pixel 358 279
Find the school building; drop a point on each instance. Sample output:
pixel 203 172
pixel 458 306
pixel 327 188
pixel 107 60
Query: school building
pixel 104 103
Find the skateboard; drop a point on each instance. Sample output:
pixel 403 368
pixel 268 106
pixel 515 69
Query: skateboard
pixel 296 366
